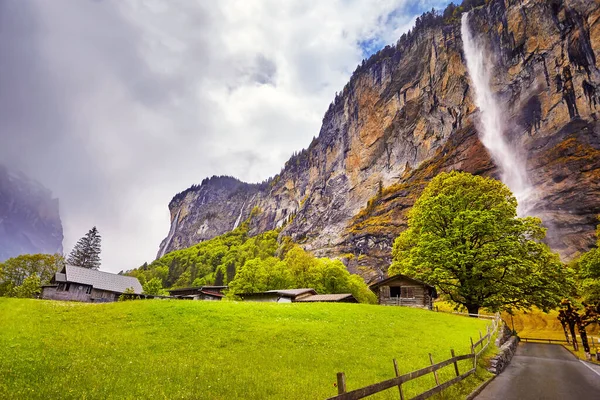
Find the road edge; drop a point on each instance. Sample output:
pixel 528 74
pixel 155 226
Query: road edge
pixel 480 388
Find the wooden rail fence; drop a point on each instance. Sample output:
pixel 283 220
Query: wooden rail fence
pixel 399 380
pixel 525 339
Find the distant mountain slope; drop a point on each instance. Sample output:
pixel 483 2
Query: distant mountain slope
pixel 29 217
pixel 408 113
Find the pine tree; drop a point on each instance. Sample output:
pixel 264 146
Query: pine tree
pixel 86 253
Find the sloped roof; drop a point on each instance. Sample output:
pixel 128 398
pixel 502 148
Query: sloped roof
pixel 102 280
pixel 393 278
pixel 214 294
pixel 328 297
pixel 292 292
pixel 198 288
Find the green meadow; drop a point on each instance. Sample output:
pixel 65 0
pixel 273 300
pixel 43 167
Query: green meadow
pixel 160 349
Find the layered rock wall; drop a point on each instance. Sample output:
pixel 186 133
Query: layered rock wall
pixel 29 217
pixel 408 113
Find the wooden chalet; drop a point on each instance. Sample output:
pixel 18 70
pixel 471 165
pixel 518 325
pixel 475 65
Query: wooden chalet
pixel 89 285
pixel 199 293
pixel 278 296
pixel 329 298
pixel 401 290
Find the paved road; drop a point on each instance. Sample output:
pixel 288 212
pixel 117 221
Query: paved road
pixel 544 372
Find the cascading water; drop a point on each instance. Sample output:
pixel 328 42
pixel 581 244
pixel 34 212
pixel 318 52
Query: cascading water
pixel 239 218
pixel 171 234
pixel 492 117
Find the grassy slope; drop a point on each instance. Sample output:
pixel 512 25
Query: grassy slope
pixel 215 350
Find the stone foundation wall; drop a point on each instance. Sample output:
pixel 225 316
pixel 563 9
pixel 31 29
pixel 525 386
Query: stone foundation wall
pixel 502 359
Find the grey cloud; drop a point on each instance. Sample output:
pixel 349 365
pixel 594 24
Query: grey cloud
pixel 265 70
pixel 116 105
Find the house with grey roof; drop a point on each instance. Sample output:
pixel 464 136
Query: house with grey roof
pixel 305 295
pixel 329 298
pixel 278 296
pixel 88 285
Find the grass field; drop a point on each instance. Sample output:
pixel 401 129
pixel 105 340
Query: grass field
pixel 218 350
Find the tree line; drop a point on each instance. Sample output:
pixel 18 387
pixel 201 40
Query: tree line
pixel 249 265
pixel 23 276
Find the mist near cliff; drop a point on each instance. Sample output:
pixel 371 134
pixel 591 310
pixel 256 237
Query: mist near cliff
pixel 116 105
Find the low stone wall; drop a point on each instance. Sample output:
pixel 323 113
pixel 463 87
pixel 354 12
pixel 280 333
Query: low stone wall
pixel 504 334
pixel 500 361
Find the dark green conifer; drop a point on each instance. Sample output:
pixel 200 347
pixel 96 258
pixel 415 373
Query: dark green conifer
pixel 86 253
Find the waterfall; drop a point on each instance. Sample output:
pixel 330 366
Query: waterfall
pixel 239 218
pixel 171 234
pixel 492 117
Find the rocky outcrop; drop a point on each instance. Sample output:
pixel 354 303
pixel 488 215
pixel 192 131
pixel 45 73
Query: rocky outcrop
pixel 202 212
pixel 29 217
pixel 408 114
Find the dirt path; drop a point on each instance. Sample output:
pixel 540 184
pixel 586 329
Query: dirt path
pixel 545 371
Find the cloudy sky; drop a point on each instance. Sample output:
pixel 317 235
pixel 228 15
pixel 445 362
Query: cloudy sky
pixel 116 105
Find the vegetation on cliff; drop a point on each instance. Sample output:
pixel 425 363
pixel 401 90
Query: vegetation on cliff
pixel 250 264
pixel 464 237
pixel 218 350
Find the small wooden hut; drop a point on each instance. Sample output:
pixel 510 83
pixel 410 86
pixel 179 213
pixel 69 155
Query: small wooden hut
pixel 401 290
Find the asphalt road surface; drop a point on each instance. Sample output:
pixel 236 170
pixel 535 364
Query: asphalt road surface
pixel 544 372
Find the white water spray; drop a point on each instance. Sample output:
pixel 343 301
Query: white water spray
pixel 170 236
pixel 491 134
pixel 239 218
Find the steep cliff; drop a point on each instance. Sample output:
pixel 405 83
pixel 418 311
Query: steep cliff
pixel 408 113
pixel 29 217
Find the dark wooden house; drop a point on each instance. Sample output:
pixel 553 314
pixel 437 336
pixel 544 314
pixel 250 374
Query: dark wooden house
pixel 89 285
pixel 329 298
pixel 401 290
pixel 199 293
pixel 278 296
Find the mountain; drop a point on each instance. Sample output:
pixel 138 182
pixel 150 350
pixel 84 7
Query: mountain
pixel 408 113
pixel 29 217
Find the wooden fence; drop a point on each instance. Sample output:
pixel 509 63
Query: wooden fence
pixel 399 380
pixel 526 340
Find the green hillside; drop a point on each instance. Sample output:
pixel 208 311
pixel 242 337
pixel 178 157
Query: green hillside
pixel 249 264
pixel 215 350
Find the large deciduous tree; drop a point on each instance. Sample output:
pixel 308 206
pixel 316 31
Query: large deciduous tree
pixel 464 237
pixel 86 253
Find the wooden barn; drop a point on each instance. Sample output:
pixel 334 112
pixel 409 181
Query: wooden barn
pixel 401 290
pixel 329 298
pixel 279 296
pixel 199 293
pixel 88 285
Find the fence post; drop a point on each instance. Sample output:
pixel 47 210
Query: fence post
pixel 455 363
pixel 437 381
pixel 489 334
pixel 473 352
pixel 397 375
pixel 341 382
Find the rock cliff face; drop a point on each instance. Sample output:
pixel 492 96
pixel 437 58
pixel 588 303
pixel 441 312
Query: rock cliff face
pixel 408 114
pixel 29 217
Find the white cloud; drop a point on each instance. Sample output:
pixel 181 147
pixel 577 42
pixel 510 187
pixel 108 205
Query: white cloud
pixel 139 99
